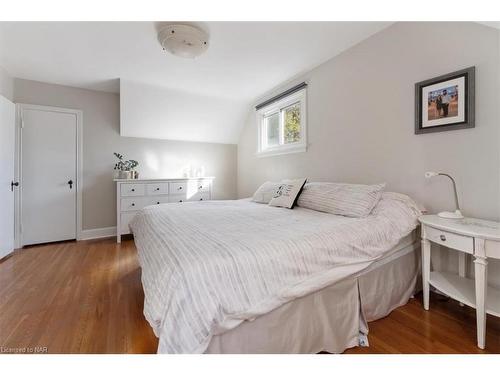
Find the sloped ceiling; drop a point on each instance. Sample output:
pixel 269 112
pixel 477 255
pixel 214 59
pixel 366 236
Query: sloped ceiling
pixel 245 59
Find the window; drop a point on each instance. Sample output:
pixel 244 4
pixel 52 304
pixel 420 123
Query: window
pixel 282 124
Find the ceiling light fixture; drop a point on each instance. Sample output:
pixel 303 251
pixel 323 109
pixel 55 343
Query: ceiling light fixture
pixel 183 40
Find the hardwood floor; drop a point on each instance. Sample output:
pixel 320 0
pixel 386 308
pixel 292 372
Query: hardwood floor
pixel 86 297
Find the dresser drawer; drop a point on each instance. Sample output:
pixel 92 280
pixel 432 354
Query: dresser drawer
pixel 157 200
pixel 126 218
pixel 133 204
pixel 451 240
pixel 178 188
pixel 177 198
pixel 157 189
pixel 200 196
pixel 132 190
pixel 199 185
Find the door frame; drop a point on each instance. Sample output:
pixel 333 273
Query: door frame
pixel 18 166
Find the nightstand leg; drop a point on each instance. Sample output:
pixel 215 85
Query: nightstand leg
pixel 426 270
pixel 462 266
pixel 481 275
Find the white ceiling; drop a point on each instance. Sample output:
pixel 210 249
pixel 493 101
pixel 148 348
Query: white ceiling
pixel 244 60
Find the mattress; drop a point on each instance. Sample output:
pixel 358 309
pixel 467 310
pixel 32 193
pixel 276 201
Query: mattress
pixel 209 266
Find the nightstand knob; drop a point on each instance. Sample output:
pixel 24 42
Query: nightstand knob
pixel 157 189
pixel 442 237
pixel 133 204
pixel 133 189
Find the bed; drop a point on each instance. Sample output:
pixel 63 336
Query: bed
pixel 242 277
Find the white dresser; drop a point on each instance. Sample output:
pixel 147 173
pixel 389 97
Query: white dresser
pixel 133 195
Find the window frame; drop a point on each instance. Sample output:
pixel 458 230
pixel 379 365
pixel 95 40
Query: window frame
pixel 263 150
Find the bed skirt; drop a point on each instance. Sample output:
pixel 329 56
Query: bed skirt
pixel 332 319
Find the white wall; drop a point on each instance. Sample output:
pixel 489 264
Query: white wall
pixel 156 112
pixel 361 121
pixel 6 84
pixel 158 158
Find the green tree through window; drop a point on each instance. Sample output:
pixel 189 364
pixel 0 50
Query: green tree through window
pixel 292 124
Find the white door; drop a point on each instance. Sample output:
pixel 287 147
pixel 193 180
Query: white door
pixel 7 147
pixel 48 175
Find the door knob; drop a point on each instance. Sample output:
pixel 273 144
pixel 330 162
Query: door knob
pixel 70 183
pixel 12 184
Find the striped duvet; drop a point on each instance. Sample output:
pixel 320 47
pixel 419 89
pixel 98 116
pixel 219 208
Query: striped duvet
pixel 208 266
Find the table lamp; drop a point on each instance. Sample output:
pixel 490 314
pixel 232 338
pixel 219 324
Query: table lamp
pixel 447 214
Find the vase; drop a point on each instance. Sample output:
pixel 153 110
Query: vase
pixel 124 175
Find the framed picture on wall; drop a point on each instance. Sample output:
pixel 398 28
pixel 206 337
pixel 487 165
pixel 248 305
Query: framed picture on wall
pixel 445 102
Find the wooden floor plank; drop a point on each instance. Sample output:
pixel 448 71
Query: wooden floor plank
pixel 86 297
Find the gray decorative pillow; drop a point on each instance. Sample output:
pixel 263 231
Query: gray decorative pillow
pixel 341 199
pixel 287 193
pixel 265 192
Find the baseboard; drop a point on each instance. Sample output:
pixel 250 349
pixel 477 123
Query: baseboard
pixel 90 234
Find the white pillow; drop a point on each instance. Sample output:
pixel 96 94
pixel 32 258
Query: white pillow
pixel 287 193
pixel 265 192
pixel 341 199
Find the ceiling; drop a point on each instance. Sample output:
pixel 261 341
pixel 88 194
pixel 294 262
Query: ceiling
pixel 244 60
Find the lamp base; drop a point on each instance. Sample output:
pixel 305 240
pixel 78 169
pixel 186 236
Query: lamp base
pixel 451 215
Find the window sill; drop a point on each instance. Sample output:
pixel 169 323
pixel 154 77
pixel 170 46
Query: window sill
pixel 282 151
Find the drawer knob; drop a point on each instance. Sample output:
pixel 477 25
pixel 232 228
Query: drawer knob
pixel 157 202
pixel 133 189
pixel 442 237
pixel 180 187
pixel 180 200
pixel 133 204
pixel 157 189
pixel 200 187
pixel 201 199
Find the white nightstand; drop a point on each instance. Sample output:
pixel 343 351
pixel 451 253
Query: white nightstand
pixel 476 237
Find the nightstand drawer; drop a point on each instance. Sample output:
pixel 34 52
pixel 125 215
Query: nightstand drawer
pixel 451 240
pixel 492 249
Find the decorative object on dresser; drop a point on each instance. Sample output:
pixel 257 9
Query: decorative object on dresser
pixel 125 168
pixel 132 195
pixel 445 102
pixel 476 237
pixel 446 214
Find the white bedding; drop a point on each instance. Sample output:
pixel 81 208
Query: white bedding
pixel 208 266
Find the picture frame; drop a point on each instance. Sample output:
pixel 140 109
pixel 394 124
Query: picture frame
pixel 446 102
